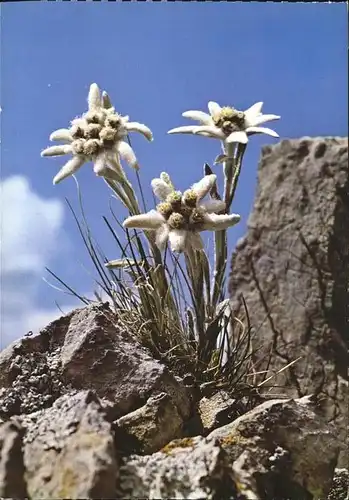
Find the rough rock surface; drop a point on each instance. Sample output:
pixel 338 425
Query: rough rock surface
pixel 83 350
pixel 150 427
pixel 30 377
pixel 286 439
pixel 12 484
pixel 292 268
pixel 279 450
pixel 340 485
pixel 218 410
pixel 192 469
pixel 69 450
pixel 76 445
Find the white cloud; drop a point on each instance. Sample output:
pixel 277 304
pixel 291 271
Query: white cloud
pixel 30 227
pixel 31 237
pixel 31 318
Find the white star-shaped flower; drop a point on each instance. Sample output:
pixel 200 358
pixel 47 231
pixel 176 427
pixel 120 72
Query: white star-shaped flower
pixel 98 136
pixel 179 218
pixel 228 124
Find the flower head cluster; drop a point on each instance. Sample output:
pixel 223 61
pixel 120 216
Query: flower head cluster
pixel 180 217
pixel 98 136
pixel 227 123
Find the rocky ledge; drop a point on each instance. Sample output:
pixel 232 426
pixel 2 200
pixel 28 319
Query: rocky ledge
pixel 86 412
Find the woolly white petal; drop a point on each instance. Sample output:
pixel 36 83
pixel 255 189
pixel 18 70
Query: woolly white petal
pixel 205 134
pixel 139 127
pixel 214 108
pixel 94 98
pixel 261 130
pixel 100 164
pixel 79 122
pixel 195 241
pixel 263 119
pixel 62 134
pixel 202 187
pixel 213 206
pixel 210 131
pixel 162 237
pixel 113 163
pixel 127 154
pixel 215 222
pixel 178 239
pixel 166 178
pixel 69 168
pixel 150 220
pixel 239 136
pixel 252 112
pixel 57 150
pixel 161 189
pixel 183 130
pixel 202 117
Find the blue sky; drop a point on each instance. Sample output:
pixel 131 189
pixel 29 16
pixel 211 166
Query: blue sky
pixel 156 61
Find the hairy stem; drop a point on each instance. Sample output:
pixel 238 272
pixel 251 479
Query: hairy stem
pixel 220 237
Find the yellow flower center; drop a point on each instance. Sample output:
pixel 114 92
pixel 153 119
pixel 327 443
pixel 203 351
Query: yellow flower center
pixel 186 212
pixel 91 147
pixel 190 198
pixel 113 121
pixel 177 221
pixel 165 209
pixel 78 146
pixel 229 120
pixel 107 135
pixel 175 199
pixel 196 218
pixel 105 127
pixel 227 113
pixel 94 117
pixel 77 132
pixel 93 130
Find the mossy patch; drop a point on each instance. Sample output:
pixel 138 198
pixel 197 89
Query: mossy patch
pixel 177 443
pixel 233 439
pixel 70 480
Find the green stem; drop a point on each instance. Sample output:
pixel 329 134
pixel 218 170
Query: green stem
pixel 232 168
pixel 125 192
pixel 220 237
pixel 239 157
pixel 229 169
pixel 196 276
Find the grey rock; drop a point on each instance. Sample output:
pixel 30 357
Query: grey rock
pixel 12 482
pixel 218 410
pixel 97 354
pixel 69 450
pixel 340 485
pixel 30 376
pixel 282 448
pixel 191 468
pixel 84 350
pixel 150 427
pixel 292 268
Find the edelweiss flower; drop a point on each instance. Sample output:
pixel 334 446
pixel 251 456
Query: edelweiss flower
pixel 180 217
pixel 98 136
pixel 228 124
